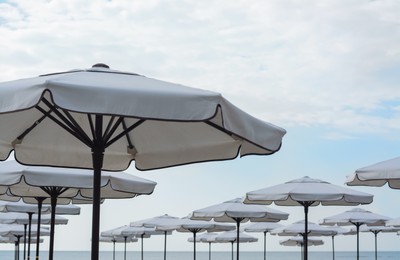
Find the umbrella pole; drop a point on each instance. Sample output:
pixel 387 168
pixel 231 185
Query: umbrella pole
pixel 306 205
pixel 265 245
pixel 209 250
pixel 194 245
pixel 52 224
pixel 141 239
pixel 165 245
pixel 113 249
pixel 98 148
pixel 40 203
pixel 25 241
pixel 238 220
pixel 29 234
pixel 125 247
pixel 232 249
pixel 357 224
pixel 376 244
pixel 333 247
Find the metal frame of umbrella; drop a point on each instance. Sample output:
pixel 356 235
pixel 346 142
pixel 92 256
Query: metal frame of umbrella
pixel 235 211
pixel 263 227
pixel 307 192
pixel 79 102
pixel 356 217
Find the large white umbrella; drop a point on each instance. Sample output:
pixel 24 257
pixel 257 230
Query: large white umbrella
pixel 164 223
pixel 61 185
pixel 196 226
pixel 235 211
pixel 298 228
pixel 263 227
pixel 356 217
pixel 308 192
pixel 377 174
pixel 100 118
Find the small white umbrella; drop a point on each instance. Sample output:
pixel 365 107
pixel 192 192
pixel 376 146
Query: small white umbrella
pixel 54 185
pixel 30 209
pixel 263 227
pixel 164 223
pixel 235 211
pixel 308 192
pixel 299 241
pixel 376 230
pixel 298 228
pixel 118 239
pixel 356 217
pixel 103 119
pixel 196 226
pixel 16 240
pixel 340 231
pixel 208 237
pixel 231 236
pixel 377 175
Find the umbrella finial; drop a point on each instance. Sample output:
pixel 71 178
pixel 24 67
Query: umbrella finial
pixel 100 65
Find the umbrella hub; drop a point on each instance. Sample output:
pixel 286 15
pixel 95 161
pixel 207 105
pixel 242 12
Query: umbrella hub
pixel 100 65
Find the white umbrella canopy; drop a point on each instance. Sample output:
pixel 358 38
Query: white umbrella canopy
pixel 356 217
pixel 377 175
pixel 235 211
pixel 395 222
pixel 263 227
pixel 308 192
pixel 298 241
pixel 297 228
pixel 100 118
pixel 230 236
pixel 164 223
pixel 23 219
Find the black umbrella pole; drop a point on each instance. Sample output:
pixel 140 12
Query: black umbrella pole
pixel 24 241
pixel 358 241
pixel 333 247
pixel 165 245
pixel 97 156
pixel 40 203
pixel 237 237
pixel 52 226
pixel 306 233
pixel 29 234
pixel 265 245
pixel 194 245
pixel 376 245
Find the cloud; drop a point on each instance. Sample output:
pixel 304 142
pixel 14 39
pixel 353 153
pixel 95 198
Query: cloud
pixel 329 63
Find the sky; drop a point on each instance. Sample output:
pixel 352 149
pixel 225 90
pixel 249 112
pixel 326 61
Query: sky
pixel 326 71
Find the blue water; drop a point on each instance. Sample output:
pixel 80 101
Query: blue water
pixel 85 255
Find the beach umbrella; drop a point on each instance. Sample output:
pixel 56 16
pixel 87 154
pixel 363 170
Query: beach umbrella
pixel 103 119
pixel 263 227
pixel 307 192
pixel 376 230
pixel 197 226
pixel 231 237
pixel 61 185
pixel 30 209
pixel 377 175
pixel 16 230
pixel 299 241
pixel 16 240
pixel 164 223
pixel 128 231
pixel 235 211
pixel 356 217
pixel 208 237
pixel 118 239
pixel 298 228
pixel 340 231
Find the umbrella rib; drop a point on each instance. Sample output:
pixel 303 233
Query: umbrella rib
pixel 125 132
pixel 109 132
pixel 37 122
pixel 66 126
pixel 128 138
pixel 75 124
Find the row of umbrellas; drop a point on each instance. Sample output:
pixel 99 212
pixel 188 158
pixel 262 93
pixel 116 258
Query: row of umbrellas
pixel 102 119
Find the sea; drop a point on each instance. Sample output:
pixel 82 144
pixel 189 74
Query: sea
pixel 150 255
